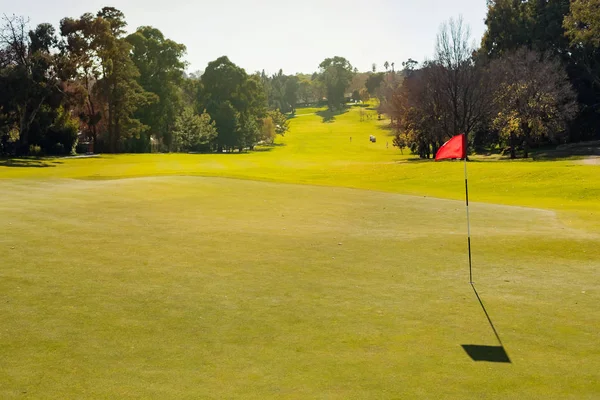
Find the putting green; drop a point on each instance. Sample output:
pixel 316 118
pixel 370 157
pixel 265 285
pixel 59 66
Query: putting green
pixel 196 287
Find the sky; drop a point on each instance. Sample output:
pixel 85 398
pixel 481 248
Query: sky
pixel 272 34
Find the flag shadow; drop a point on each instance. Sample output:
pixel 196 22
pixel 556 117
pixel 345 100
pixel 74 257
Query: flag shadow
pixel 487 353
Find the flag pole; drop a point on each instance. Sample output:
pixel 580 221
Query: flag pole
pixel 468 221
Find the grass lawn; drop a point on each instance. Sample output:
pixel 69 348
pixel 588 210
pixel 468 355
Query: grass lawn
pixel 181 283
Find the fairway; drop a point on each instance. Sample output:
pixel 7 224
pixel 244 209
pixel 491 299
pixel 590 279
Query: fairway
pixel 186 281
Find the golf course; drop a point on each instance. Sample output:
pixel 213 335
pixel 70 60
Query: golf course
pixel 323 266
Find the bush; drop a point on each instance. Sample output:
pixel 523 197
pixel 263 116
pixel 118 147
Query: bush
pixel 193 132
pixel 35 150
pixel 61 138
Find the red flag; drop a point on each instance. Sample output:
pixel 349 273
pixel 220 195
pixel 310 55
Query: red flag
pixel 453 148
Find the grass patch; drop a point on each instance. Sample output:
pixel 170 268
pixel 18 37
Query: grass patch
pixel 217 288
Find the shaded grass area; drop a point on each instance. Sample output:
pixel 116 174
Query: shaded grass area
pixel 190 287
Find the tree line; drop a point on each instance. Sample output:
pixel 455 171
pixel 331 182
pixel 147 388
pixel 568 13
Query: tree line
pixel 88 81
pixel 534 80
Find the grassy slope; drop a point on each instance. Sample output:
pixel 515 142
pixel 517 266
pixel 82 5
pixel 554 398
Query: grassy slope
pixel 321 153
pixel 187 287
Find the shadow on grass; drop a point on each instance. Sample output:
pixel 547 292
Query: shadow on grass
pixel 483 352
pixel 28 163
pixel 329 116
pixel 387 129
pixel 486 353
pixel 585 149
pixel 266 147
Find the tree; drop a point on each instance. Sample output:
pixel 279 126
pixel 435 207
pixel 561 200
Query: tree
pixel 31 77
pixel 193 132
pixel 386 65
pixel 582 24
pixel 364 95
pixel 291 92
pixel 534 99
pixel 235 101
pixel 267 130
pixel 159 61
pixel 281 122
pixel 335 74
pixel 82 41
pixel 374 82
pixel 409 66
pixel 306 91
pixel 465 91
pixel 101 57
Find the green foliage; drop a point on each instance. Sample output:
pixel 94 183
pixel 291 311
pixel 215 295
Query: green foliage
pixel 161 72
pixel 582 24
pixel 534 99
pixel 235 101
pixel 374 82
pixel 193 132
pixel 267 130
pixel 336 74
pixel 61 138
pixel 282 91
pixel 281 122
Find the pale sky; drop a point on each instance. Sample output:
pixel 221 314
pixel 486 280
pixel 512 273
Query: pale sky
pixel 271 34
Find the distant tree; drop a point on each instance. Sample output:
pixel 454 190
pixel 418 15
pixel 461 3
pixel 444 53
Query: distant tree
pixel 409 66
pixel 306 91
pixel 267 130
pixel 364 95
pixel 281 122
pixel 356 95
pixel 374 67
pixel 336 75
pixel 193 132
pixel 374 82
pixel 386 65
pixel 292 87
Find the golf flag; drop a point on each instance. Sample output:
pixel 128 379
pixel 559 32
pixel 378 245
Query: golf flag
pixel 456 147
pixel 453 148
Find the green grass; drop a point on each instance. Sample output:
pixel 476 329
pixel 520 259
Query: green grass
pixel 187 286
pixel 321 154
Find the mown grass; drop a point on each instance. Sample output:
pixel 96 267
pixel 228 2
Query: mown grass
pixel 322 153
pixel 170 286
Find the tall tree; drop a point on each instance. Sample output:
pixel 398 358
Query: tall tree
pixel 336 75
pixel 31 74
pixel 159 61
pixel 103 62
pixel 374 82
pixel 235 101
pixel 464 88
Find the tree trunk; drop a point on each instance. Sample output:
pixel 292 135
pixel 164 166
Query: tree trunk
pixel 513 142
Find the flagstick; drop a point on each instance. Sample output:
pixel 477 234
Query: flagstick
pixel 468 223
